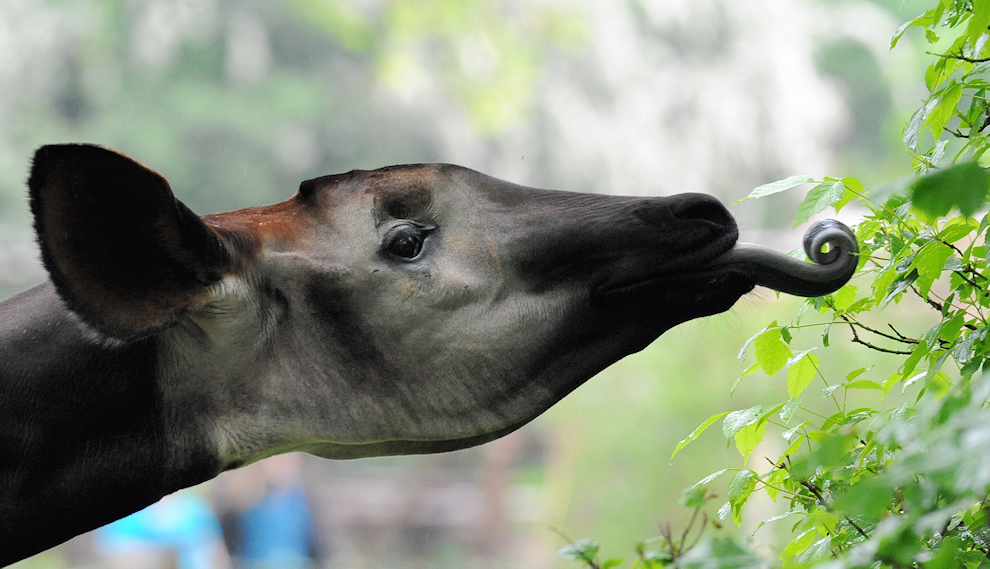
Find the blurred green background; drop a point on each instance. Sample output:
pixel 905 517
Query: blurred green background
pixel 237 101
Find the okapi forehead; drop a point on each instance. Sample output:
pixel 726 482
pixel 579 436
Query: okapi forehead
pixel 400 192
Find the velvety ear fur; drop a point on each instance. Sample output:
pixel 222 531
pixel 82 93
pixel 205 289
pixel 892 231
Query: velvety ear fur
pixel 124 254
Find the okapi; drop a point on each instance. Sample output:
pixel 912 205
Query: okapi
pixel 411 309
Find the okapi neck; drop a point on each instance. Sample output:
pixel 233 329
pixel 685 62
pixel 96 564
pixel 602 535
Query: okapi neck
pixel 86 438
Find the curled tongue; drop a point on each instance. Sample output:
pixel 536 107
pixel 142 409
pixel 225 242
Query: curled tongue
pixel 828 272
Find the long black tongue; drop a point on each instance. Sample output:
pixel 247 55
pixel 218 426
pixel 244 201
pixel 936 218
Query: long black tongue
pixel 778 271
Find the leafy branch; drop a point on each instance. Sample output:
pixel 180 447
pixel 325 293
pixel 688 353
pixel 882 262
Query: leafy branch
pixel 868 481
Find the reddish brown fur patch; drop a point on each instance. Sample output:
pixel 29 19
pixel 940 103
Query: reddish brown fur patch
pixel 401 192
pixel 278 225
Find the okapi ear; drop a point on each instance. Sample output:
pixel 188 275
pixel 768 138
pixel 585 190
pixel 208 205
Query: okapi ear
pixel 124 254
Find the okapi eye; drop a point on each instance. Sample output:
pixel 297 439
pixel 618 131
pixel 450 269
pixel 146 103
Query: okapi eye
pixel 405 241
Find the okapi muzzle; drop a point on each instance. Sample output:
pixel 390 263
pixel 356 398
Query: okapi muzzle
pixel 412 309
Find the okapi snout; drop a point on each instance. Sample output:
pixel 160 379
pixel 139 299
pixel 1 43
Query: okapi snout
pixel 411 309
pixel 686 225
pixel 682 232
pixel 689 208
pixel 599 241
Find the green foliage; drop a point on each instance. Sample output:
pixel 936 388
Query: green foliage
pixel 874 476
pixel 489 55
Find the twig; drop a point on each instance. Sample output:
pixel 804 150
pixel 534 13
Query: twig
pixel 935 305
pixel 858 340
pixel 821 500
pixel 688 528
pixel 960 57
pixel 701 531
pixel 899 338
pixel 902 336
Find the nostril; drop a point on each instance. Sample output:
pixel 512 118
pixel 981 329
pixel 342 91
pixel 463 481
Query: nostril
pixel 701 207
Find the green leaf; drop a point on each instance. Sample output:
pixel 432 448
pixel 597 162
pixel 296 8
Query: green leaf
pixel 771 353
pixel 748 371
pixel 736 420
pixel 828 391
pixel 937 365
pixel 795 446
pixel 892 380
pixel 856 373
pixel 845 297
pixel 773 483
pixel 945 555
pixel 833 451
pixel 870 497
pixel 789 434
pixel 957 228
pixel 921 350
pixel 779 517
pixel 900 31
pixel 609 563
pixel 979 44
pixel 818 550
pixel 800 374
pixel 693 496
pixel 798 545
pixel 899 286
pixel 719 552
pixel 819 197
pixel 950 329
pixel 711 477
pixel 697 432
pixel 929 263
pixel 785 335
pixel 914 125
pixel 934 76
pixel 655 558
pixel 882 285
pixel 789 408
pixel 724 512
pixel 978 23
pixel 748 437
pixel 854 189
pixel 945 109
pixel 939 151
pixel 962 186
pixel 939 385
pixel 964 351
pixel 777 187
pixel 740 488
pixel 745 347
pixel 912 380
pixel 581 550
pixel 864 384
pixel 928 18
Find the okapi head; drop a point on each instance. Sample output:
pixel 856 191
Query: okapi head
pixel 411 309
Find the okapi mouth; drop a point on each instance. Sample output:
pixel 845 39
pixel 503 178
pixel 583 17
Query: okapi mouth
pixel 684 279
pixel 714 283
pixel 687 286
